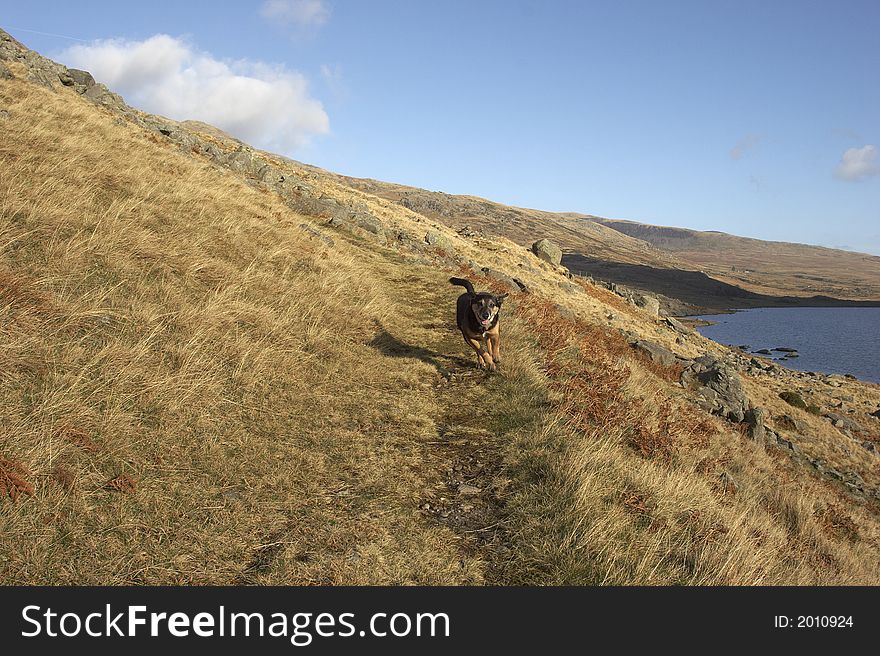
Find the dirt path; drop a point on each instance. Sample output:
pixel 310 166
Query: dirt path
pixel 466 486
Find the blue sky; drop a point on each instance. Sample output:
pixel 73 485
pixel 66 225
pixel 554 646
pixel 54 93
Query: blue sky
pixel 756 118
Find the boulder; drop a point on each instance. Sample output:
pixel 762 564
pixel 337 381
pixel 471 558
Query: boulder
pixel 243 161
pixel 649 304
pixel 81 78
pixel 790 423
pixel 508 282
pixel 677 326
pixel 523 287
pixel 754 420
pixel 793 399
pixel 719 386
pixel 546 250
pixel 437 239
pixel 5 73
pixel 655 352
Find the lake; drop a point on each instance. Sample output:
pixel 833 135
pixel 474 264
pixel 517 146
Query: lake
pixel 829 340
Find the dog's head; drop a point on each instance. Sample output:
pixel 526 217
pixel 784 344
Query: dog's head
pixel 485 307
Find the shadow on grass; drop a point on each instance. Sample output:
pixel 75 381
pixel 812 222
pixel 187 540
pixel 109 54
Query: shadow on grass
pixel 389 345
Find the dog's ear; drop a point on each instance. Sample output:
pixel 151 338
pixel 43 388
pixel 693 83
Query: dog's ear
pixel 500 299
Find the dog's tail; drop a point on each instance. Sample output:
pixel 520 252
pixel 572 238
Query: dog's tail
pixel 464 283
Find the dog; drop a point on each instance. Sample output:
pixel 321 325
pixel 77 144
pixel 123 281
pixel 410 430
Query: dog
pixel 476 315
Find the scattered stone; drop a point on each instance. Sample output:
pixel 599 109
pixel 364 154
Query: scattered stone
pixel 788 444
pixel 764 352
pixel 469 490
pixel 5 73
pixel 844 423
pixel 785 349
pixel 546 250
pixel 870 446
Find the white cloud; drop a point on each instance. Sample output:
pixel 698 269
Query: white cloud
pixel 744 145
pixel 266 105
pixel 297 13
pixel 858 164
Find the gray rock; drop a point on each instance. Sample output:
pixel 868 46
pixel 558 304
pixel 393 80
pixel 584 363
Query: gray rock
pixel 870 446
pixel 839 421
pixel 468 490
pixel 5 73
pixel 788 422
pixel 437 239
pixel 655 352
pixel 754 419
pixel 101 95
pixel 501 277
pixel 649 304
pixel 270 175
pixel 788 444
pixel 718 383
pixel 677 326
pixel 81 78
pixel 548 251
pixel 524 288
pixel 243 161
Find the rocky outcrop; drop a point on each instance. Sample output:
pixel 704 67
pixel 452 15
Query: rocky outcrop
pixel 718 386
pixel 658 354
pixel 437 239
pixel 546 250
pixel 649 304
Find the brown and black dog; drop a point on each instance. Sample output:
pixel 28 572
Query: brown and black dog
pixel 477 319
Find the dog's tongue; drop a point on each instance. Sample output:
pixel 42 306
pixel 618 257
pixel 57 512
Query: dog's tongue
pixel 485 322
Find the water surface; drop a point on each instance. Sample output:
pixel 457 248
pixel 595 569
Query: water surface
pixel 842 340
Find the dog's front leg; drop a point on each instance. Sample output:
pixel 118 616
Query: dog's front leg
pixel 484 358
pixel 495 345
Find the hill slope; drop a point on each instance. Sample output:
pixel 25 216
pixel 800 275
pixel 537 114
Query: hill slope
pixel 219 366
pixel 768 267
pixel 756 266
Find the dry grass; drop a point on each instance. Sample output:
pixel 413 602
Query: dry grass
pixel 194 391
pixel 637 489
pixel 168 332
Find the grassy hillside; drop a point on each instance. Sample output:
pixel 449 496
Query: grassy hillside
pixel 202 382
pixel 763 267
